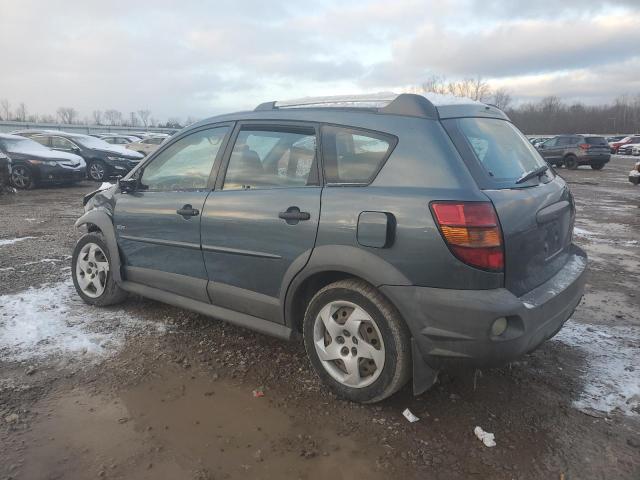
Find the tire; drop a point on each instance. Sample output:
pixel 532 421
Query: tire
pixel 97 171
pixel 100 289
pixel 571 162
pixel 597 166
pixel 22 177
pixel 379 347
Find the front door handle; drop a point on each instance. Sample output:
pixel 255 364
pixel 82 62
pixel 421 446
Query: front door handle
pixel 188 211
pixel 293 215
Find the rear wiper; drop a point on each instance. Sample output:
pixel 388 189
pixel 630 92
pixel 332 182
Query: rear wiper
pixel 536 172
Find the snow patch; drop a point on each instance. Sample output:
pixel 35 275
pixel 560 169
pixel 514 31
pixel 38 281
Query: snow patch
pixel 11 241
pixel 612 375
pixel 51 320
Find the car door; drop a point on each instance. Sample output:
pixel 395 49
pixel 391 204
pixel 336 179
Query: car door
pixel 158 225
pixel 259 225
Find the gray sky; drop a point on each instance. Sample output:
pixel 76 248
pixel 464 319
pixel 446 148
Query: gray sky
pixel 180 58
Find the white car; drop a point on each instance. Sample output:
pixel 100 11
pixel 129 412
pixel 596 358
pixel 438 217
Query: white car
pixel 146 146
pixel 635 150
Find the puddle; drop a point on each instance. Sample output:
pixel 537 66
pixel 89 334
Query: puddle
pixel 179 426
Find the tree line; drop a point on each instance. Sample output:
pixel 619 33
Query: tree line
pixel 69 115
pixel 550 115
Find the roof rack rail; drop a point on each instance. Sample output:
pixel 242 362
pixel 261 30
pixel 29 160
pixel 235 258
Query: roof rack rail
pixel 407 104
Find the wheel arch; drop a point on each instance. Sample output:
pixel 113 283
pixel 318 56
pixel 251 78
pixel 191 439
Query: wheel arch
pixel 329 264
pixel 101 221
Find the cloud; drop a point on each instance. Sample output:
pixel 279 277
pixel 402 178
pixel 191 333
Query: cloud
pixel 182 58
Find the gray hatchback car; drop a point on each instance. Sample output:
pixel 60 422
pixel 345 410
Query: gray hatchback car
pixel 398 236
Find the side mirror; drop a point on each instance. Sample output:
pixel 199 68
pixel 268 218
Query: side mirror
pixel 128 185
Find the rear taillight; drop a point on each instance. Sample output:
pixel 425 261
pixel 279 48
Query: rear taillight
pixel 584 146
pixel 472 233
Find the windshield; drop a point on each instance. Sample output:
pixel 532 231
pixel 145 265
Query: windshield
pixel 22 145
pixel 92 142
pixel 504 152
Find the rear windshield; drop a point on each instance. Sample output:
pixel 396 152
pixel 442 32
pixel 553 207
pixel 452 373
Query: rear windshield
pixel 502 150
pixel 596 141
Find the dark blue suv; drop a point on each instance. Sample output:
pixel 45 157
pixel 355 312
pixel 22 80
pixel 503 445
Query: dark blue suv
pixel 398 236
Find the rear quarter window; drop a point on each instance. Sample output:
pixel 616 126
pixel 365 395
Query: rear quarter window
pixel 353 156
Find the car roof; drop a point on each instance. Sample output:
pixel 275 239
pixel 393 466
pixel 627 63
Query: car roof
pixel 10 136
pixel 428 106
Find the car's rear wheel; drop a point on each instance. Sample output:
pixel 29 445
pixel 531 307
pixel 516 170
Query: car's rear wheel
pixel 97 170
pixel 91 269
pixel 357 342
pixel 597 166
pixel 571 162
pixel 22 177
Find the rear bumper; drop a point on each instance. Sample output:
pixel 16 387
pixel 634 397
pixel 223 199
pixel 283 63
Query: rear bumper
pixel 597 158
pixel 452 328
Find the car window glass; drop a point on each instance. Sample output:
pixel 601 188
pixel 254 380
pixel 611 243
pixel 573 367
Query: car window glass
pixel 187 163
pixel 596 141
pixel 59 142
pixel 552 142
pixel 354 156
pixel 272 159
pixel 563 141
pixel 41 140
pixel 156 141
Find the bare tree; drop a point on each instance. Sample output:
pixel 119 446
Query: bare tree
pixel 113 117
pixel 474 88
pixel 67 114
pixel 5 107
pixel 21 112
pixel 144 116
pixel 97 117
pixel 133 119
pixel 502 98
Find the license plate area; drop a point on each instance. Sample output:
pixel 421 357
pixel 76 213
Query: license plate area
pixel 552 239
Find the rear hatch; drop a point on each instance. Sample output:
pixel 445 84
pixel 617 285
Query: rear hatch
pixel 596 146
pixel 536 214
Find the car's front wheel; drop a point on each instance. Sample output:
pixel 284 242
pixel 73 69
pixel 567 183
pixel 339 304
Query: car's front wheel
pixel 91 269
pixel 22 177
pixel 97 170
pixel 357 342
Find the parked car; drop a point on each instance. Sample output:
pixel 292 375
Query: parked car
pixel 116 139
pixel 635 150
pixel 30 133
pixel 5 172
pixel 572 151
pixel 634 175
pixel 33 164
pixel 615 138
pixel 103 159
pixel 628 148
pixel 146 146
pixel 630 139
pixel 425 206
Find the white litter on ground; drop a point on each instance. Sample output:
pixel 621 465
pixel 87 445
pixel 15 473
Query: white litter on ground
pixel 612 374
pixel 489 439
pixel 11 241
pixel 52 320
pixel 410 416
pixel 581 232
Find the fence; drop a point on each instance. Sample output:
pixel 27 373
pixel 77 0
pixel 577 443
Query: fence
pixel 6 127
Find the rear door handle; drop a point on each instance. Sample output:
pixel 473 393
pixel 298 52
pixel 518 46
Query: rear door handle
pixel 188 211
pixel 293 215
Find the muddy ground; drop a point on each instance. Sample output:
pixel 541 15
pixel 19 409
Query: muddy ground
pixel 144 390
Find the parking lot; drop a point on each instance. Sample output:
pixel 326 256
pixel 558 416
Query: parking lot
pixel 145 390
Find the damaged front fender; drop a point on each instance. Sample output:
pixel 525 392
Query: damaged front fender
pixel 98 215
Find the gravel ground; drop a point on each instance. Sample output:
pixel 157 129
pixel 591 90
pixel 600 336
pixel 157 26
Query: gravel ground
pixel 144 390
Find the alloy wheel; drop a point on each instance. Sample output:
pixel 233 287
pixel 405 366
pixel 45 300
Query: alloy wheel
pixel 20 177
pixel 349 344
pixel 92 270
pixel 96 171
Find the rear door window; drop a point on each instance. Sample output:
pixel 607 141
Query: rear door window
pixel 353 156
pixel 272 158
pixel 502 151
